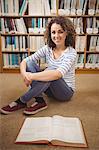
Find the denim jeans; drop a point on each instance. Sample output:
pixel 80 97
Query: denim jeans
pixel 57 89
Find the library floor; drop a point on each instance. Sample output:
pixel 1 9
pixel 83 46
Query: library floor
pixel 84 104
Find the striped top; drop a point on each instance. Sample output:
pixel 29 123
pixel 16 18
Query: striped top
pixel 65 63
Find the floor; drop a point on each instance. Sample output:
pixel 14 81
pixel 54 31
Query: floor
pixel 84 104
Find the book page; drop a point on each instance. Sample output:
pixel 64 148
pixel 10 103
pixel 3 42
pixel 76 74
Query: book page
pixel 68 129
pixel 35 129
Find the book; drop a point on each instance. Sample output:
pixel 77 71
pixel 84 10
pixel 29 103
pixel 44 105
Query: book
pixel 55 130
pixel 79 7
pixel 91 7
pixel 36 8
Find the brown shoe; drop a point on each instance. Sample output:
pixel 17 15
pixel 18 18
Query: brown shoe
pixel 12 107
pixel 35 108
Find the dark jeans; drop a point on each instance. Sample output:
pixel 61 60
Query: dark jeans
pixel 57 89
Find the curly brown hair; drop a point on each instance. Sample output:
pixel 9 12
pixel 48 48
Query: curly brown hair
pixel 66 25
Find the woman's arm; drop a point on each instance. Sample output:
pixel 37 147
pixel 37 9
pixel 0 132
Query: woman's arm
pixel 24 73
pixel 46 75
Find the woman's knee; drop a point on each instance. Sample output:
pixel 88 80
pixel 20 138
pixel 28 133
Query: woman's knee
pixel 31 66
pixel 64 98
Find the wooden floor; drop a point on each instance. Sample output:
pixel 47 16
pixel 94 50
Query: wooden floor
pixel 84 104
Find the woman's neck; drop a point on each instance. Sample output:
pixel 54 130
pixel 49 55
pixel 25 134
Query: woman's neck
pixel 60 48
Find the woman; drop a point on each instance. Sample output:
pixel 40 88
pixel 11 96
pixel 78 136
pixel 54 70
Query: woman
pixel 58 79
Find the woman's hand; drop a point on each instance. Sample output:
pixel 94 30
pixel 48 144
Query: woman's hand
pixel 27 77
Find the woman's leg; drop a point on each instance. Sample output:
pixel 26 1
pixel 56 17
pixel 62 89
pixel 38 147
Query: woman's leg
pixel 35 91
pixel 37 87
pixel 59 90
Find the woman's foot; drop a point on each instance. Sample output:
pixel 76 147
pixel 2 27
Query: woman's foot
pixel 35 108
pixel 12 107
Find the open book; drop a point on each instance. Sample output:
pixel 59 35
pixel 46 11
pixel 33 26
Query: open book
pixel 57 130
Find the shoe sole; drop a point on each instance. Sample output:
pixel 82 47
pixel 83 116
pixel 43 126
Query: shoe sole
pixel 34 112
pixel 5 112
pixel 8 112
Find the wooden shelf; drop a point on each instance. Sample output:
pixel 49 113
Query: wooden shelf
pixel 32 16
pixel 87 71
pixel 78 71
pixel 10 70
pixel 27 19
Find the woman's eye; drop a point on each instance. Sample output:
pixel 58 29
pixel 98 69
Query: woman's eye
pixel 53 32
pixel 60 31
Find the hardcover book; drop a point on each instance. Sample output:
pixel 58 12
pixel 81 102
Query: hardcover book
pixel 56 130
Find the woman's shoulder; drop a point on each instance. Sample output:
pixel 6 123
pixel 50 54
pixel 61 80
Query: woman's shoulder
pixel 46 47
pixel 70 50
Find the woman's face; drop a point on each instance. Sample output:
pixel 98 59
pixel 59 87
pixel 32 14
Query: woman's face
pixel 58 35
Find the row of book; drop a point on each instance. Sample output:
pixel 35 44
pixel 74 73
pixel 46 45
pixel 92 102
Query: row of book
pixel 22 43
pixel 14 43
pixel 92 61
pixel 94 44
pixel 38 25
pixel 92 25
pixel 13 60
pixel 49 7
pixel 19 7
pixel 80 44
pixel 18 25
pixel 13 25
pixel 78 7
pixel 33 43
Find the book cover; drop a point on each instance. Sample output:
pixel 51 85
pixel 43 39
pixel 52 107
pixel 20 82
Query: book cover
pixel 56 130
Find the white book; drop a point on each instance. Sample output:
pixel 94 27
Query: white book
pixel 67 7
pixel 95 26
pixel 36 8
pixel 79 7
pixel 10 7
pixel 23 43
pixel 46 6
pixel 16 43
pixel 22 23
pixel 91 60
pixel 97 61
pixel 61 10
pixel 89 28
pixel 3 43
pixel 91 7
pixel 2 25
pixel 57 130
pixel 5 60
pixel 97 44
pixel 84 7
pixel 79 25
pixel 80 45
pixel 20 43
pixel 32 43
pixel 77 42
pixel 6 7
pixel 92 46
pixel 15 7
pixel 97 8
pixel 53 7
pixel 2 7
pixel 73 7
pixel 81 61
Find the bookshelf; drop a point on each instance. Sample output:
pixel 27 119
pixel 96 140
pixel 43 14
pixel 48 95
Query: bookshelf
pixel 21 27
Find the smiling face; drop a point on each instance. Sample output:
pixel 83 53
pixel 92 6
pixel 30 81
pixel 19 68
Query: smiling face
pixel 58 35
